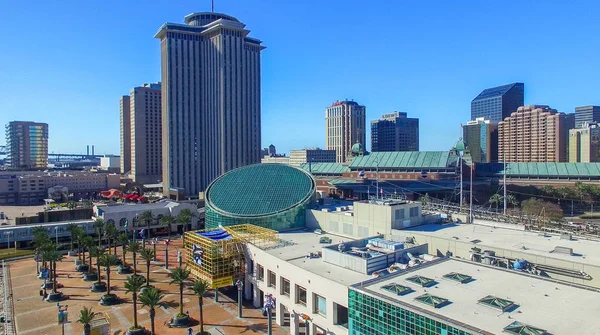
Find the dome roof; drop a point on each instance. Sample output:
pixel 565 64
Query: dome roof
pixel 460 145
pixel 260 190
pixel 357 148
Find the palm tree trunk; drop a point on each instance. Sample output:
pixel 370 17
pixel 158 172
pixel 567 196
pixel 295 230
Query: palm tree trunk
pixel 201 315
pixel 147 273
pixel 115 248
pixel 71 242
pixel 87 329
pixel 55 282
pixel 83 252
pixel 135 324
pixel 134 265
pixel 108 280
pixel 152 314
pixel 98 266
pixel 124 262
pixel 181 298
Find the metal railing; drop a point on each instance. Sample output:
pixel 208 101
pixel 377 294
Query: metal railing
pixel 9 323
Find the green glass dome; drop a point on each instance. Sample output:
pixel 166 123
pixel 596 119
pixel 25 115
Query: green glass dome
pixel 259 190
pixel 357 148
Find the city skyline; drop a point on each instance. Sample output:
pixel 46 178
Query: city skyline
pixel 432 72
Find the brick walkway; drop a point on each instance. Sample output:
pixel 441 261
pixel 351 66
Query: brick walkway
pixel 37 317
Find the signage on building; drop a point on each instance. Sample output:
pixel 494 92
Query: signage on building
pixel 222 282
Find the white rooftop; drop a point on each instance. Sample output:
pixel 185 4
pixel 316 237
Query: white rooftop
pixel 557 307
pixel 306 242
pixel 585 251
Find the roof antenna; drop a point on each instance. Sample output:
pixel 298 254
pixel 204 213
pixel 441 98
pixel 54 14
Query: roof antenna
pixel 213 5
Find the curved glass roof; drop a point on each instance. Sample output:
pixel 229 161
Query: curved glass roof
pixel 259 190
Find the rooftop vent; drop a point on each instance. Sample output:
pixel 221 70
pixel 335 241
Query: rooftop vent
pixel 458 277
pixel 518 328
pixel 497 303
pixel 563 250
pixel 432 300
pixel 397 289
pixel 420 280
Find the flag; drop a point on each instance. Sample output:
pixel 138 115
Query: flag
pixel 142 232
pixel 361 174
pixel 381 191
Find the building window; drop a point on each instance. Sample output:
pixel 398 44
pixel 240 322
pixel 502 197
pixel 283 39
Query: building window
pixel 320 305
pixel 400 214
pixel 261 273
pixel 285 287
pixel 272 279
pixel 414 211
pixel 300 295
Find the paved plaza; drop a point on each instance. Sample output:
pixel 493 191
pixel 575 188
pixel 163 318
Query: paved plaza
pixel 37 317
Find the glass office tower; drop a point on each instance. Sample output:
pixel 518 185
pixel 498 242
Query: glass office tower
pixel 496 103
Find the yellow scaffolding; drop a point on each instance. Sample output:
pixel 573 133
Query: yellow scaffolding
pixel 217 255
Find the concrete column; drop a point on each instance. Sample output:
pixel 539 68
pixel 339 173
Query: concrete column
pixel 247 289
pixel 279 314
pixel 256 297
pixel 294 324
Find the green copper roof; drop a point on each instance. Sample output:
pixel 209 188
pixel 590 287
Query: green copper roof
pixel 325 168
pixel 404 159
pixel 541 169
pixel 259 190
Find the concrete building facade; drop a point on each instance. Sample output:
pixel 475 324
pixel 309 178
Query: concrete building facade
pixel 125 113
pixel 110 163
pixel 534 133
pixel 395 132
pixel 345 125
pixel 497 103
pixel 314 155
pixel 26 145
pixel 584 144
pixel 275 159
pixel 586 114
pixel 146 133
pixel 210 100
pixel 481 137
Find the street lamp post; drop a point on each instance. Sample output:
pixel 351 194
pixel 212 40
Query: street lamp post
pixel 269 304
pixel 154 241
pixel 167 241
pixel 7 234
pixel 240 287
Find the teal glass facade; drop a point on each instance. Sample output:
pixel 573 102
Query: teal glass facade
pixel 371 316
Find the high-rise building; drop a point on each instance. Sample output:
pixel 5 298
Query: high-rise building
pixel 272 150
pixel 125 113
pixel 584 144
pixel 395 132
pixel 481 137
pixel 26 145
pixel 345 125
pixel 210 100
pixel 312 155
pixel 497 103
pixel 586 114
pixel 534 134
pixel 146 134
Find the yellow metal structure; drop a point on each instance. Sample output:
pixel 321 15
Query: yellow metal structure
pixel 220 260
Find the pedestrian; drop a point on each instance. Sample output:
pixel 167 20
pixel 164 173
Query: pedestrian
pixel 190 330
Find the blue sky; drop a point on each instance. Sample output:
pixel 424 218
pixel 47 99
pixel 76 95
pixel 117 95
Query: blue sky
pixel 68 62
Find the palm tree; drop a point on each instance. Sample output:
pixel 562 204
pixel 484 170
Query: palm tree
pixel 40 239
pixel 147 218
pixel 148 255
pixel 72 228
pixel 123 239
pixel 495 199
pixel 98 253
pixel 167 221
pixel 111 232
pixel 134 248
pixel 79 236
pixel 99 226
pixel 200 287
pixel 107 261
pixel 179 276
pixel 185 217
pixel 87 242
pixel 151 298
pixel 86 315
pixel 133 286
pixel 53 256
pixel 512 200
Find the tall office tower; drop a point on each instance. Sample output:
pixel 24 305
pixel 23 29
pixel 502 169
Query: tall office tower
pixel 481 136
pixel 345 124
pixel 586 114
pixel 395 132
pixel 146 134
pixel 497 103
pixel 312 155
pixel 124 104
pixel 26 145
pixel 534 134
pixel 584 144
pixel 210 100
pixel 272 150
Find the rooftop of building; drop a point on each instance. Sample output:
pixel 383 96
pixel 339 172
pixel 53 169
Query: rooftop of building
pixel 301 243
pixel 345 102
pixel 496 91
pixel 128 207
pixel 61 173
pixel 405 159
pixel 584 251
pixel 543 170
pixel 491 299
pixel 259 190
pixel 325 168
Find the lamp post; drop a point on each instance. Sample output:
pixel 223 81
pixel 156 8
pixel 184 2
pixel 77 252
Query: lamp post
pixel 179 258
pixel 240 287
pixel 154 241
pixel 167 241
pixel 269 304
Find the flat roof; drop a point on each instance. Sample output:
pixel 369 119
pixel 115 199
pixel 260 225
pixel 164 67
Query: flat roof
pixel 303 243
pixel 137 207
pixel 555 306
pixel 534 243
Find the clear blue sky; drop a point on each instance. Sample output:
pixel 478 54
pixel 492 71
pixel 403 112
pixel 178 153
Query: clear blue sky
pixel 68 62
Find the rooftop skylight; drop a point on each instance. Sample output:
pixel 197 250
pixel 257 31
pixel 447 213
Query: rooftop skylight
pixel 397 289
pixel 431 300
pixel 518 328
pixel 420 280
pixel 497 303
pixel 459 277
